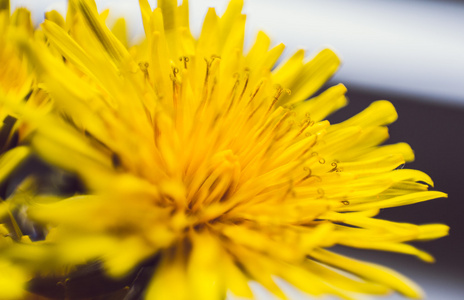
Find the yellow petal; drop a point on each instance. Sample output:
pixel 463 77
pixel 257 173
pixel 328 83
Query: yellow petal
pixel 169 280
pixel 55 17
pixel 313 75
pixel 399 200
pixel 10 160
pixel 369 271
pixel 321 106
pixel 377 114
pixel 288 72
pixel 119 30
pixel 114 47
pixel 204 270
pixel 12 281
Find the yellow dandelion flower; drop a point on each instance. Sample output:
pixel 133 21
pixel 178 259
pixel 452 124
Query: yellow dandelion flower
pixel 15 82
pixel 205 167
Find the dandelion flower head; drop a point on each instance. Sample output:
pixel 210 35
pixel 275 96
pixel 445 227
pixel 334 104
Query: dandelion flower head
pixel 207 162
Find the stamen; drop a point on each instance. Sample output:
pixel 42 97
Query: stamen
pixel 310 175
pixel 144 68
pixel 213 87
pixel 173 76
pixel 175 91
pixel 306 123
pixel 277 95
pixel 286 131
pixel 209 63
pixel 307 176
pixel 175 71
pixel 254 111
pixel 185 59
pixel 290 191
pixel 247 77
pixel 306 150
pixel 335 168
pixel 233 91
pixel 283 134
pixel 279 91
pixel 282 119
pixel 252 96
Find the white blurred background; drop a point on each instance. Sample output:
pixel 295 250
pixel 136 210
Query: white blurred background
pixel 415 47
pixel 409 50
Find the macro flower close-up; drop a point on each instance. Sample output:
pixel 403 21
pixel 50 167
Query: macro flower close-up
pixel 185 167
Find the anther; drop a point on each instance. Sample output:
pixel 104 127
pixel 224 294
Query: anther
pixel 305 124
pixel 277 94
pixel 247 76
pixel 335 168
pixel 252 96
pixel 209 63
pixel 185 59
pixel 233 92
pixel 144 68
pixel 306 169
pixel 279 91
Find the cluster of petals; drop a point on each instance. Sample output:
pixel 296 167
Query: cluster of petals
pixel 202 167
